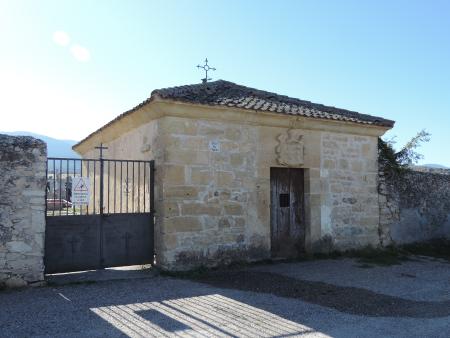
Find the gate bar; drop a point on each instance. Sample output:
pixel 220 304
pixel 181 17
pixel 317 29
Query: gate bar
pixel 139 190
pixel 127 187
pixel 115 179
pixel 94 185
pixel 102 169
pixel 152 186
pixel 66 185
pixel 127 184
pixel 88 175
pixel 121 189
pixel 108 187
pixel 132 195
pixel 145 169
pixel 54 186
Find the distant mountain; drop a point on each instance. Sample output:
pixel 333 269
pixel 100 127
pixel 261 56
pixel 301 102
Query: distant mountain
pixel 435 166
pixel 55 147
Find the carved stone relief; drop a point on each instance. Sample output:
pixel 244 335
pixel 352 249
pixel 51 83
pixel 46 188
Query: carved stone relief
pixel 146 147
pixel 290 148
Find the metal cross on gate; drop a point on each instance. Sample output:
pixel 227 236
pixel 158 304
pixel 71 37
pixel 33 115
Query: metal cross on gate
pixel 72 242
pixel 206 68
pixel 101 148
pixel 127 238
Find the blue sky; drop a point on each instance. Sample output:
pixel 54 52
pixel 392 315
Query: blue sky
pixel 387 58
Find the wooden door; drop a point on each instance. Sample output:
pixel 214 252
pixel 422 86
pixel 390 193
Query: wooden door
pixel 287 212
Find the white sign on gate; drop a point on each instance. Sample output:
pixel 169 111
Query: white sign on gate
pixel 80 191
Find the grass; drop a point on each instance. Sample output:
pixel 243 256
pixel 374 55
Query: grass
pixel 188 274
pixel 394 255
pixel 203 270
pixel 380 257
pixel 439 248
pixel 367 258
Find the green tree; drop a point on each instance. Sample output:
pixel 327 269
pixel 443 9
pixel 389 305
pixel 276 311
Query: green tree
pixel 395 162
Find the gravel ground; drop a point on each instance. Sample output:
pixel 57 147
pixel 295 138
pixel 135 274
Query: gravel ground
pixel 278 300
pixel 420 279
pixel 350 300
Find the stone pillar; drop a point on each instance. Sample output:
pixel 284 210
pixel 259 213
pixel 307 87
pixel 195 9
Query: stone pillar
pixel 22 210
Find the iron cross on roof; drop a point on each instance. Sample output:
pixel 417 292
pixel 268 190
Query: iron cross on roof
pixel 101 148
pixel 206 68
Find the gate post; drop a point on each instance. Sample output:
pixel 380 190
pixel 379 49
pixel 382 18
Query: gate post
pixel 152 186
pixel 102 258
pixel 101 147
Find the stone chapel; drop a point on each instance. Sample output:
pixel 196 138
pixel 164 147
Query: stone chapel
pixel 245 174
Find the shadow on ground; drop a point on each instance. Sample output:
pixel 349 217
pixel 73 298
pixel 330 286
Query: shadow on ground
pixel 350 300
pixel 216 304
pixel 156 306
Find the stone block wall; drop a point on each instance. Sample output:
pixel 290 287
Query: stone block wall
pixel 349 177
pixel 414 207
pixel 216 205
pixel 213 206
pixel 209 198
pixel 22 210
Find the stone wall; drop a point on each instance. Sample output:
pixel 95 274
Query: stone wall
pixel 22 208
pixel 210 213
pixel 414 207
pixel 349 173
pixel 216 205
pixel 213 206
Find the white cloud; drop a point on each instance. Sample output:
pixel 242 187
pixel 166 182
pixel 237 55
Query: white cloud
pixel 61 38
pixel 80 53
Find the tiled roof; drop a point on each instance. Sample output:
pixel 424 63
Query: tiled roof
pixel 229 94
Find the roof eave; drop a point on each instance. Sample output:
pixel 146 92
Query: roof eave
pixel 383 124
pixel 115 120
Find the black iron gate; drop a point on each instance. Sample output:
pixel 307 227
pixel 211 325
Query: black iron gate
pixel 113 228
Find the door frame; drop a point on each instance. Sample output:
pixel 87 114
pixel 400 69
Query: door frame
pixel 305 223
